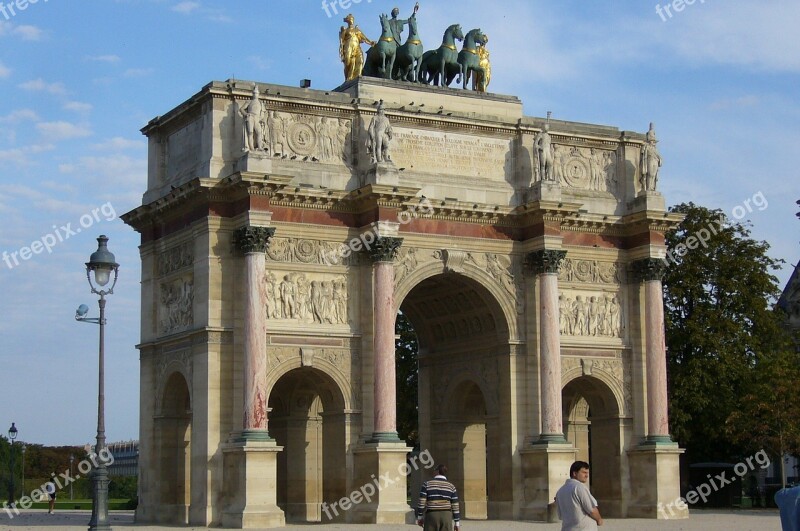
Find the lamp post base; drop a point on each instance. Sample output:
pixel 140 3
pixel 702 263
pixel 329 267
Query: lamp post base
pixel 99 521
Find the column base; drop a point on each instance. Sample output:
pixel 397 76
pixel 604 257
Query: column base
pixel 373 462
pixel 252 435
pixel 250 485
pixel 658 440
pixel 386 436
pixel 545 468
pixel 655 482
pixel 550 438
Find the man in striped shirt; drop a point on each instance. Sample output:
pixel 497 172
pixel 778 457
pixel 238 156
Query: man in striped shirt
pixel 438 504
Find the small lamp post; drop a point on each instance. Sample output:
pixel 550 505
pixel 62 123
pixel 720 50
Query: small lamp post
pixel 12 435
pixel 102 264
pixel 71 460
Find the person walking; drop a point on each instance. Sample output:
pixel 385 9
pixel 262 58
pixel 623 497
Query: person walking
pixel 577 508
pixel 438 508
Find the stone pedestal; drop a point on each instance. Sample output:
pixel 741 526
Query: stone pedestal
pixel 645 201
pixel 545 468
pixel 250 485
pixel 545 191
pixel 655 482
pixel 382 173
pixel 382 466
pixel 255 162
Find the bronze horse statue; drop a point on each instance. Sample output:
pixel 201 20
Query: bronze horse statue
pixel 380 58
pixel 441 66
pixel 469 58
pixel 409 56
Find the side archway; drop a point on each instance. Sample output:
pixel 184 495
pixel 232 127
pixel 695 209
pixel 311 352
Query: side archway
pixel 173 431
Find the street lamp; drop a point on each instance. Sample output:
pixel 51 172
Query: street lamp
pixel 102 264
pixel 71 460
pixel 12 434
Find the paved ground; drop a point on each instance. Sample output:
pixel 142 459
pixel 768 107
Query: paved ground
pixel 752 520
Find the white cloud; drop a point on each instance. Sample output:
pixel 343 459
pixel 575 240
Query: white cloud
pixel 104 58
pixel 22 156
pixel 78 106
pixel 118 144
pixel 735 103
pixel 19 115
pixel 4 71
pixel 185 7
pixel 55 131
pixel 25 32
pixel 137 72
pixel 38 85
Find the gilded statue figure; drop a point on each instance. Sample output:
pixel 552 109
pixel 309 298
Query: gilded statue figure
pixel 350 40
pixel 482 79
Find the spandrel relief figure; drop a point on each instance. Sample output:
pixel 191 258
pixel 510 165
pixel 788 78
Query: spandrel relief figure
pixel 380 137
pixel 253 128
pixel 651 162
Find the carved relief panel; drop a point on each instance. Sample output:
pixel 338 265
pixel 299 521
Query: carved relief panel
pixel 586 168
pixel 293 296
pixel 175 296
pixel 590 314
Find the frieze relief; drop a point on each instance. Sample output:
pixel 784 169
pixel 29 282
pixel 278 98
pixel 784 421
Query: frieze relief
pixel 176 304
pixel 591 272
pixel 504 269
pixel 292 296
pixel 175 259
pixel 590 314
pixel 585 168
pixel 315 252
pixel 293 136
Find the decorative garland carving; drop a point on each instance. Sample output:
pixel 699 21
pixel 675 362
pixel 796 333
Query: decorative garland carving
pixel 590 271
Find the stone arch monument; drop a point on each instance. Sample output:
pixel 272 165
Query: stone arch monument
pixel 277 251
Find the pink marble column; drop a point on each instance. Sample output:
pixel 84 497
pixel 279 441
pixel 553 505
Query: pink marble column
pixel 253 242
pixel 650 271
pixel 545 265
pixel 383 252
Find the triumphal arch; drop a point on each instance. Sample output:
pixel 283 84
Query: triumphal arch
pixel 283 229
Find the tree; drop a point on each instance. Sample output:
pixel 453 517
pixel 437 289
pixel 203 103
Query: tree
pixel 406 349
pixel 718 292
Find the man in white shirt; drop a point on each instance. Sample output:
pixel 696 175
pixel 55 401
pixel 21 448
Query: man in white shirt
pixel 577 508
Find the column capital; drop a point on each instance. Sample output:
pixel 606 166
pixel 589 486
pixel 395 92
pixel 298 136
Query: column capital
pixel 545 261
pixel 384 249
pixel 251 239
pixel 648 269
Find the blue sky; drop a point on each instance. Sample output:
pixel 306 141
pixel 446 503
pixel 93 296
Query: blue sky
pixel 721 81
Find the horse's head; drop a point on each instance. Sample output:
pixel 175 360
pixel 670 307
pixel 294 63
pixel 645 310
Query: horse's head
pixel 454 31
pixel 385 27
pixel 412 25
pixel 478 37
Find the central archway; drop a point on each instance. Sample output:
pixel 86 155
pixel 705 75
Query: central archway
pixel 307 419
pixel 464 368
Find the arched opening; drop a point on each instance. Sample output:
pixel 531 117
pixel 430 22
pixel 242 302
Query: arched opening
pixel 593 424
pixel 464 365
pixel 173 428
pixel 307 418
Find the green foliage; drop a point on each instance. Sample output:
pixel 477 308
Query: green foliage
pixel 406 348
pixel 720 325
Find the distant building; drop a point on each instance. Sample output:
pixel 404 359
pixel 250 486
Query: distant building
pixel 790 303
pixel 126 458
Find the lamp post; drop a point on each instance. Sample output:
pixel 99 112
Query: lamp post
pixel 71 460
pixel 23 466
pixel 102 264
pixel 12 434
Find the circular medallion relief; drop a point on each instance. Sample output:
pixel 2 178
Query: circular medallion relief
pixel 576 173
pixel 302 138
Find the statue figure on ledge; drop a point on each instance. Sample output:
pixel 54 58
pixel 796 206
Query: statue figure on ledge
pixel 481 79
pixel 253 130
pixel 543 147
pixel 380 136
pixel 350 40
pixel 651 161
